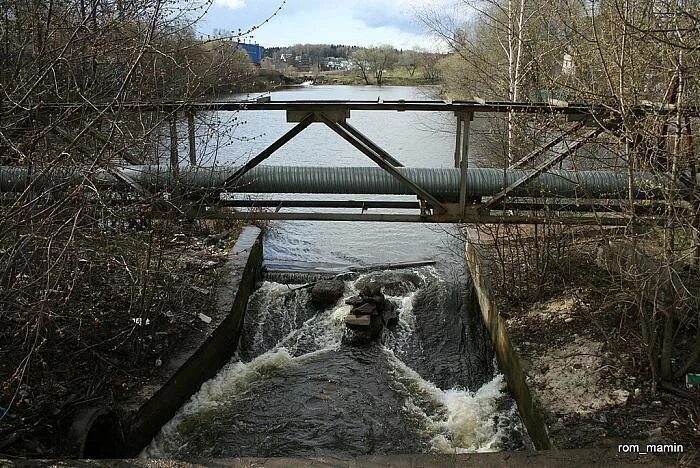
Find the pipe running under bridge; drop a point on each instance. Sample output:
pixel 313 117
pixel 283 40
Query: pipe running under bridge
pixel 442 183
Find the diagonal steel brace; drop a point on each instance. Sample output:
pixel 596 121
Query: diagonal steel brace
pixel 267 152
pixel 542 167
pixel 370 144
pixel 539 151
pixel 381 162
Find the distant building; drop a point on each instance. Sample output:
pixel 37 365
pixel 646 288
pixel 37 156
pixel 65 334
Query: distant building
pixel 255 52
pixel 338 63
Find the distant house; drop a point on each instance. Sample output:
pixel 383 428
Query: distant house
pixel 255 52
pixel 338 63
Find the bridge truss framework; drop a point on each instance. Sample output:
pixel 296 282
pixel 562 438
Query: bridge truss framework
pixel 501 207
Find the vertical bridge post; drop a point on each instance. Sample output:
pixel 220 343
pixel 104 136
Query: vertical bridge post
pixel 191 138
pixel 458 140
pixel 465 118
pixel 174 157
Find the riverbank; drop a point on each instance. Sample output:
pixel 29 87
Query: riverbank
pixel 390 78
pixel 260 80
pixel 108 345
pixel 583 355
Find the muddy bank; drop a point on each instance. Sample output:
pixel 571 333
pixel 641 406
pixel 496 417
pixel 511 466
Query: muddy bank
pixel 581 352
pixel 108 348
pixel 196 361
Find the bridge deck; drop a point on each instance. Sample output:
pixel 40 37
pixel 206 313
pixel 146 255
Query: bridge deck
pixel 559 107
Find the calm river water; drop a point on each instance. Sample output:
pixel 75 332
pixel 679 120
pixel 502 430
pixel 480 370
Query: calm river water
pixel 294 389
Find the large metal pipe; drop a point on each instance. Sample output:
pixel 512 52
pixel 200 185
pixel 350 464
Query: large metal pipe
pixel 443 183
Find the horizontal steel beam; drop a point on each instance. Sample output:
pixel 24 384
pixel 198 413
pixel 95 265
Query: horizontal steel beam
pixel 394 105
pixel 605 220
pixel 514 206
pixel 365 205
pixel 583 205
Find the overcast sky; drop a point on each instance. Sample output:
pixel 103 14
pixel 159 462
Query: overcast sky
pixel 349 22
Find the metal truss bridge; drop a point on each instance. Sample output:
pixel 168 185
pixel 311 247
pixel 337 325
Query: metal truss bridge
pixel 527 191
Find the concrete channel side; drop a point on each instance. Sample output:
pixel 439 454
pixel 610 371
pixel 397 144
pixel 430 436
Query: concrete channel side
pixel 508 359
pixel 243 270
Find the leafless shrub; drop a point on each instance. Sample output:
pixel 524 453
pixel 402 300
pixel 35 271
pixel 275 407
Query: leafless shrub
pixel 619 54
pixel 82 268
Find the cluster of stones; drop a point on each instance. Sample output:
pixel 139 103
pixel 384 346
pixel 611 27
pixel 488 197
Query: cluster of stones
pixel 370 313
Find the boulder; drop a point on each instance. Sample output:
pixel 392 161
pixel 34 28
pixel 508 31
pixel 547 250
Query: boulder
pixel 326 293
pixel 378 300
pixel 363 330
pixel 393 283
pixel 391 317
pixel 370 289
pixel 355 301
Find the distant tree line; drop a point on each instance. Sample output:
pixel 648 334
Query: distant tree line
pixel 369 62
pixel 312 53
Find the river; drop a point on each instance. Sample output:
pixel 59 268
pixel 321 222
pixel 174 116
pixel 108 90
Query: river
pixel 294 388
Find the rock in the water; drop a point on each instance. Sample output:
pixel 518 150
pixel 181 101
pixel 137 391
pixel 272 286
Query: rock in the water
pixel 366 309
pixel 363 330
pixel 326 293
pixel 358 321
pixel 394 283
pixel 370 289
pixel 376 299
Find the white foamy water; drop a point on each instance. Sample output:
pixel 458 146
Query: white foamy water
pixel 464 420
pixel 234 378
pixel 454 420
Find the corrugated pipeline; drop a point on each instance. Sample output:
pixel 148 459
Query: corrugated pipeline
pixel 443 183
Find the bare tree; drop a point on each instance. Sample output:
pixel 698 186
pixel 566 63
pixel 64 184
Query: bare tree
pixel 409 61
pixel 360 59
pixel 428 63
pixel 620 54
pixel 374 61
pixel 80 266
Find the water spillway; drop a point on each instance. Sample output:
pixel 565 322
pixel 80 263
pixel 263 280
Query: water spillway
pixel 296 389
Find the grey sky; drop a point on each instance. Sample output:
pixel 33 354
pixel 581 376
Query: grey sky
pixel 350 22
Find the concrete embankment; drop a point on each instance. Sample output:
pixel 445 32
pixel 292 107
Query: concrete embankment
pixel 508 359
